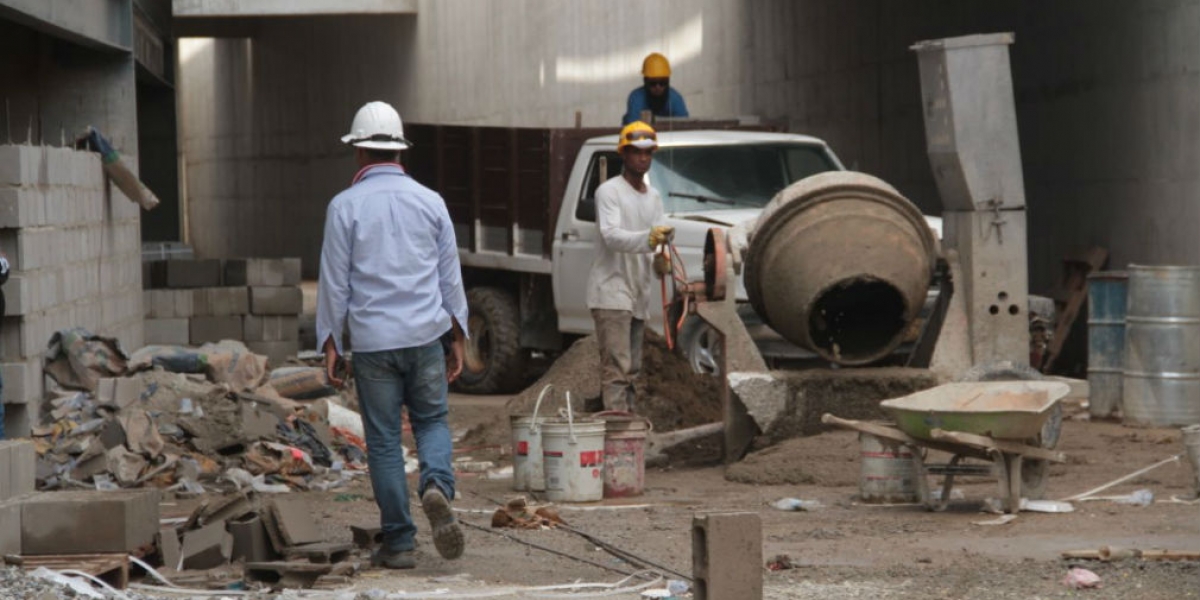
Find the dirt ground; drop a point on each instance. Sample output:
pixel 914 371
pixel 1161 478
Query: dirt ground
pixel 842 549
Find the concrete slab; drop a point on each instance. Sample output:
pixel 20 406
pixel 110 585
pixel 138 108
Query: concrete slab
pixel 85 521
pixel 120 392
pixel 727 561
pixel 295 521
pixel 206 548
pixel 258 421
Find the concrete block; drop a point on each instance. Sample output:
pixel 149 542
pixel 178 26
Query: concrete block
pixel 250 541
pixel 214 329
pixel 197 273
pixel 170 332
pixel 10 527
pixel 277 353
pixel 271 329
pixel 19 420
pixel 22 165
pixel 295 520
pixel 206 548
pixel 727 561
pixel 168 304
pixel 276 301
pixel 22 207
pixel 220 302
pixel 23 381
pixel 764 396
pixel 262 272
pixel 83 521
pixel 169 549
pixel 18 463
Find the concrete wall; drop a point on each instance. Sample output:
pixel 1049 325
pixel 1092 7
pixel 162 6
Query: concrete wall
pixel 1108 107
pixel 261 117
pixel 71 238
pixel 1107 96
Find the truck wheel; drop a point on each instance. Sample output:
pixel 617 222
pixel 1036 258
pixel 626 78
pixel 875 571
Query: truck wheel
pixel 1033 472
pixel 495 362
pixel 700 345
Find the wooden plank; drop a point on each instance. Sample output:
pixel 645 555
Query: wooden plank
pixel 113 567
pixel 895 435
pixel 987 443
pixel 1076 286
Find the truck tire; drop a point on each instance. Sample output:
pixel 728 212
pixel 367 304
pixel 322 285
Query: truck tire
pixel 495 362
pixel 1033 472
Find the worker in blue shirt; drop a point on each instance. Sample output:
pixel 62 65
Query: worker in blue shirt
pixel 656 93
pixel 390 271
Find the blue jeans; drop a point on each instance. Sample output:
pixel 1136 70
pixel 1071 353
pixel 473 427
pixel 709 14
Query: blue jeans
pixel 388 381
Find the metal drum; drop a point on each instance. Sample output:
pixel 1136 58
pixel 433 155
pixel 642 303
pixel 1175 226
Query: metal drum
pixel 1162 346
pixel 1106 340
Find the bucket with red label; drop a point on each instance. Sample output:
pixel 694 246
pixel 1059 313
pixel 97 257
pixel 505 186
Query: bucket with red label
pixel 573 458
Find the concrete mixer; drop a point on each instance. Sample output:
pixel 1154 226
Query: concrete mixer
pixel 841 264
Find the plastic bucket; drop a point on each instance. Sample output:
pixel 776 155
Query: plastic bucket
pixel 624 454
pixel 573 453
pixel 888 474
pixel 528 468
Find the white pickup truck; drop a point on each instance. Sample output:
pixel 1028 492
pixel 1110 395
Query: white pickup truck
pixel 523 205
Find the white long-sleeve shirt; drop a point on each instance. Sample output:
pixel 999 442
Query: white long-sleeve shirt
pixel 623 273
pixel 389 265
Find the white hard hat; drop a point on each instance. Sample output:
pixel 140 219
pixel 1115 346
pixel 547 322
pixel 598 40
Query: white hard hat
pixel 377 126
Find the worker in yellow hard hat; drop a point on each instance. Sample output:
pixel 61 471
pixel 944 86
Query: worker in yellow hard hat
pixel 632 226
pixel 656 93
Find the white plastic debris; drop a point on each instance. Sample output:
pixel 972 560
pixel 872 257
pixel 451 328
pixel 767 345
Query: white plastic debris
pixel 795 504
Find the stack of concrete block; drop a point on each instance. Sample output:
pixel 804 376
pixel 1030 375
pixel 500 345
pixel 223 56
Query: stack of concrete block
pixel 73 243
pixel 255 300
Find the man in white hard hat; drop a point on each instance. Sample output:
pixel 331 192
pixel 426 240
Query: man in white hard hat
pixel 390 270
pixel 629 216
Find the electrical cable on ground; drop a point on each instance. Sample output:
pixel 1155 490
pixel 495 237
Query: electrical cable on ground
pixel 545 548
pixel 624 555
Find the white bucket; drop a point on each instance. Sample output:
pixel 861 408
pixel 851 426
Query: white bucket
pixel 888 474
pixel 528 473
pixel 573 452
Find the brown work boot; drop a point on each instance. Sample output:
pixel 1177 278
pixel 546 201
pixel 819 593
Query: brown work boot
pixel 447 534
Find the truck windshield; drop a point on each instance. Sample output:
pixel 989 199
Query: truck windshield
pixel 733 176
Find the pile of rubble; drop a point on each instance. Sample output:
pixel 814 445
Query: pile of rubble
pixel 191 419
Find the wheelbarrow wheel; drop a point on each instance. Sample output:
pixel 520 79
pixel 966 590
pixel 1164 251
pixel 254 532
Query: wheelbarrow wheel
pixel 1033 471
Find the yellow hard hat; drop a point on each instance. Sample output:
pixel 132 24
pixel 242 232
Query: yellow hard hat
pixel 638 135
pixel 656 66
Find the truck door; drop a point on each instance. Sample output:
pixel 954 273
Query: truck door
pixel 575 246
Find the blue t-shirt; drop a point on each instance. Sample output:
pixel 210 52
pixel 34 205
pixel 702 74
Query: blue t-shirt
pixel 638 102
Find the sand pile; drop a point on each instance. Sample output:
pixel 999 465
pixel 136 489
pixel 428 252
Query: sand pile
pixel 828 460
pixel 669 393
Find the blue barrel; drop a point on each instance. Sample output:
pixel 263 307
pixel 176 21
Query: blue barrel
pixel 1106 340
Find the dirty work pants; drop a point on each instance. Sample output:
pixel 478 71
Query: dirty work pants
pixel 387 382
pixel 619 336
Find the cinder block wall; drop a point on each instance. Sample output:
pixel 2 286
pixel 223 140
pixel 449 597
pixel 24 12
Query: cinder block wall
pixel 74 247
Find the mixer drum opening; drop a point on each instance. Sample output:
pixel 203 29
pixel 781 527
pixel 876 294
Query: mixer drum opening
pixel 857 320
